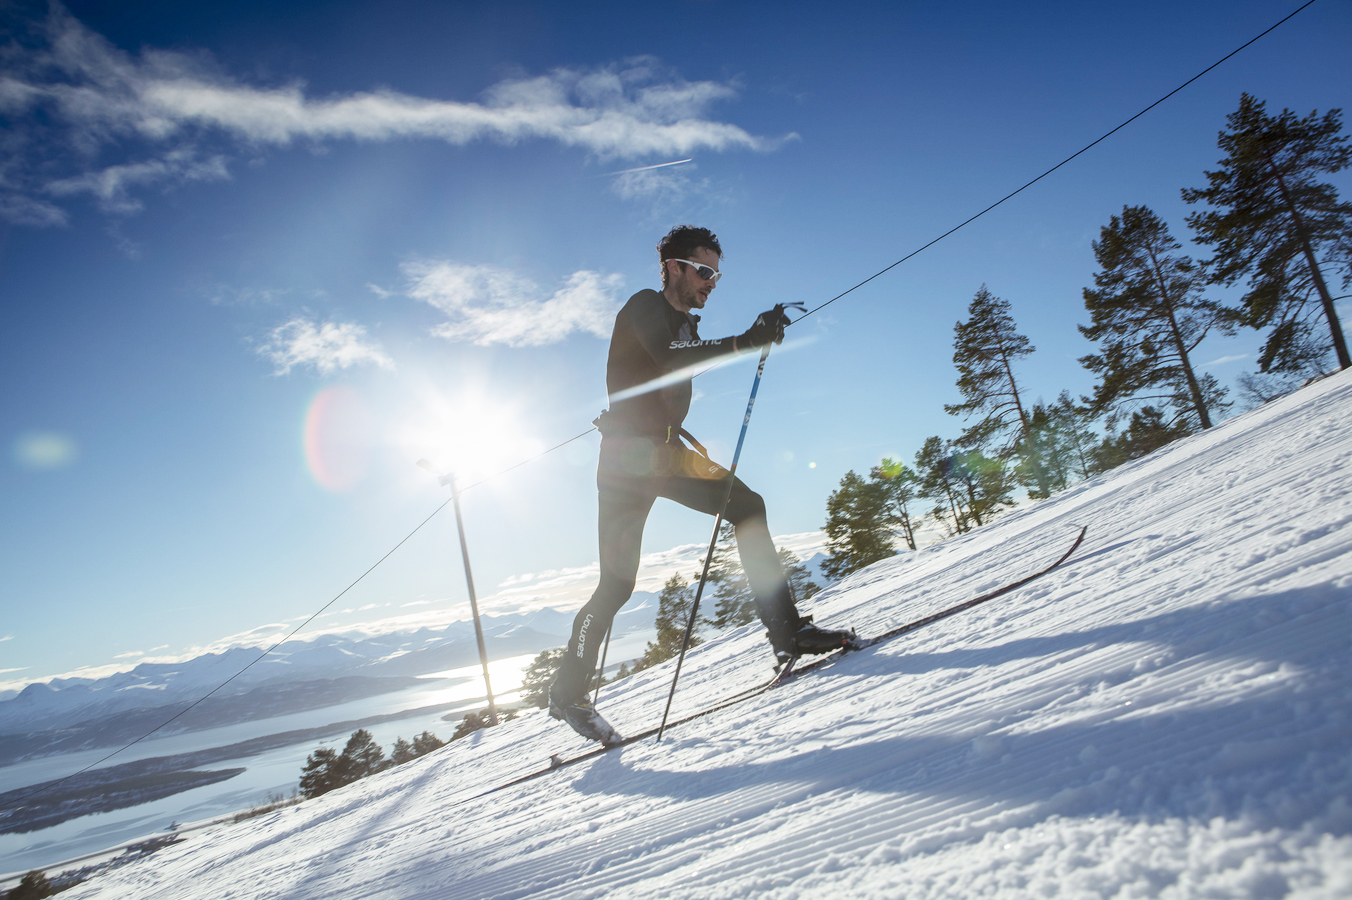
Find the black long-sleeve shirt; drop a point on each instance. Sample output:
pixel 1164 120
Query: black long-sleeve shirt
pixel 652 339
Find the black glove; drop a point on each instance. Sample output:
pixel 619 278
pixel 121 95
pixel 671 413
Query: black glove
pixel 768 328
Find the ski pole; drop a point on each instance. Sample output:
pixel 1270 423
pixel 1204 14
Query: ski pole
pixel 718 523
pixel 601 673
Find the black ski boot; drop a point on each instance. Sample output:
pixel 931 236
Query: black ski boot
pixel 792 638
pixel 583 718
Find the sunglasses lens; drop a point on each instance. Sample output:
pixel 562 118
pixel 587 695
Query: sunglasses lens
pixel 705 272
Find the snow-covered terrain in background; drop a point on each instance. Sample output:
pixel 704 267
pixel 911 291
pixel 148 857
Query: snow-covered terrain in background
pixel 63 701
pixel 1165 715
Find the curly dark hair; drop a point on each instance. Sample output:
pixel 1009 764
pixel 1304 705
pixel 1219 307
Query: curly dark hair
pixel 683 240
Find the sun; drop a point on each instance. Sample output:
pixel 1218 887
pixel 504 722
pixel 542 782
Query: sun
pixel 467 433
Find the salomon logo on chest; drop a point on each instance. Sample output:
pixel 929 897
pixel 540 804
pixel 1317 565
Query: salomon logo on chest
pixel 677 345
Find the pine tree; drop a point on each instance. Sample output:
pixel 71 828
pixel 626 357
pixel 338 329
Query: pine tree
pixel 727 584
pixel 1066 441
pixel 1272 221
pixel 933 464
pixel 673 613
pixel 538 676
pixel 33 886
pixel 402 752
pixel 1074 436
pixel 426 742
pixel 858 529
pixel 320 773
pixel 902 487
pixel 362 756
pixel 1148 316
pixel 1146 433
pixel 985 348
pixel 987 485
pixel 801 585
pixel 1258 388
pixel 471 723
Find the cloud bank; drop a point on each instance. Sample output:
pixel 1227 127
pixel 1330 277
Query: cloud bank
pixel 327 347
pixel 70 100
pixel 488 305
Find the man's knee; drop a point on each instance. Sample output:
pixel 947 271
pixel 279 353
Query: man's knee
pixel 745 505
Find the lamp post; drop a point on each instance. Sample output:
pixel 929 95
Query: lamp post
pixel 449 479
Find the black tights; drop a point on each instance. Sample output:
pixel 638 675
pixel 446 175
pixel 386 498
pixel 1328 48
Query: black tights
pixel 633 473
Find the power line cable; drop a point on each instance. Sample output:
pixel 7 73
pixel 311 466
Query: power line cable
pixel 1072 156
pixel 912 254
pixel 524 461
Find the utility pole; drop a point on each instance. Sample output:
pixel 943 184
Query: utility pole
pixel 449 479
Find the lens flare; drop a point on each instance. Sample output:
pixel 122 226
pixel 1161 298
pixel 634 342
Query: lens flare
pixel 44 450
pixel 338 438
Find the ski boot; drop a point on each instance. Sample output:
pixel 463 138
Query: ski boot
pixel 792 638
pixel 583 718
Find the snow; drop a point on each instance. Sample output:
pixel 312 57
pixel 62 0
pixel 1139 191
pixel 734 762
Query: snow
pixel 1166 715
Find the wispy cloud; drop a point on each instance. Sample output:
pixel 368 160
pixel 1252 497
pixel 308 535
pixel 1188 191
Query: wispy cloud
pixel 111 186
pixel 489 305
pixel 1227 359
pixel 327 347
pixel 70 99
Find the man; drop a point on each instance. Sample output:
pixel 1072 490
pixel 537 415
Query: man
pixel 655 343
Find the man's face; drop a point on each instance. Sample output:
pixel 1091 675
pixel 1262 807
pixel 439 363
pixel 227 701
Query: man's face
pixel 689 289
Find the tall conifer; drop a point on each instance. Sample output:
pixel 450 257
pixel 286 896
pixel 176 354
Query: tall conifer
pixel 985 348
pixel 858 529
pixel 727 584
pixel 673 614
pixel 1272 221
pixel 362 756
pixel 1148 317
pixel 800 580
pixel 933 465
pixel 902 488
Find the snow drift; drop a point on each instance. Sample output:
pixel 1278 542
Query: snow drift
pixel 1165 715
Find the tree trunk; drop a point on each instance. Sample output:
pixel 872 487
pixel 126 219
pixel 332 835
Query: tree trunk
pixel 1198 401
pixel 1335 329
pixel 1034 452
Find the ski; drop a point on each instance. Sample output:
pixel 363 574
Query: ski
pixel 865 643
pixel 789 671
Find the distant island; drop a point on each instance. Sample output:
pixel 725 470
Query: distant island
pixel 129 784
pixel 94 792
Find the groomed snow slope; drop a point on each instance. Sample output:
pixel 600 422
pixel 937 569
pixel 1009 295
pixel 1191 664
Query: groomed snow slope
pixel 1164 716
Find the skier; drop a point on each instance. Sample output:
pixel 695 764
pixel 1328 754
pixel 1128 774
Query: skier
pixel 654 344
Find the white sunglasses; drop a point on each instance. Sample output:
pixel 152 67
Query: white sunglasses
pixel 702 270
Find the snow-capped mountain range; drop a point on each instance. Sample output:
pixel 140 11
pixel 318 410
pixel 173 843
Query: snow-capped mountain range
pixel 300 674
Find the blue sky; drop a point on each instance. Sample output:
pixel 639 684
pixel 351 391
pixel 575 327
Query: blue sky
pixel 258 259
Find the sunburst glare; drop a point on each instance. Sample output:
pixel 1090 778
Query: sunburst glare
pixel 467 433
